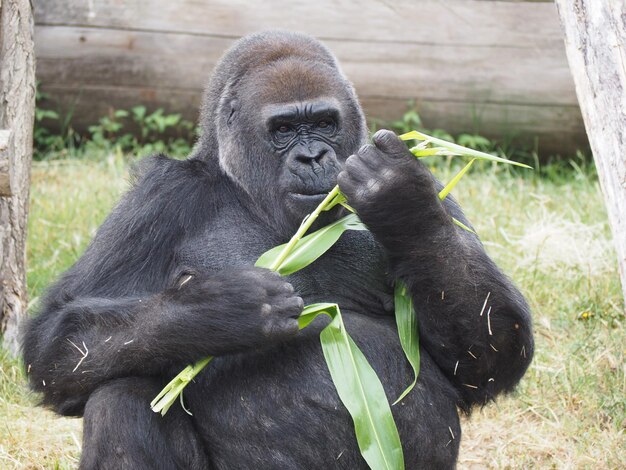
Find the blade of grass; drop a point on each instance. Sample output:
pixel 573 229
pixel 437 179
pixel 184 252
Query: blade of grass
pixel 406 319
pixel 463 226
pixel 459 149
pixel 450 186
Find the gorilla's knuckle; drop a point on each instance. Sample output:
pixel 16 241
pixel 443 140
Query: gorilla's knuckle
pixel 388 174
pixel 266 309
pixel 372 186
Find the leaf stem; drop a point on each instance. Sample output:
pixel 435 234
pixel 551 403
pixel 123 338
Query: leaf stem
pixel 306 224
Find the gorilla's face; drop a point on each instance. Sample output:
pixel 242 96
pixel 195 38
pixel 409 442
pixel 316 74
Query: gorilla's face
pixel 305 138
pixel 287 129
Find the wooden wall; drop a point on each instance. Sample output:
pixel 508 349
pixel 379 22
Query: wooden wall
pixel 496 67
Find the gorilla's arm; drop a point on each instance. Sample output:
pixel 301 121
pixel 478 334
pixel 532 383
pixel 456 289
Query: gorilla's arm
pixel 121 310
pixel 484 351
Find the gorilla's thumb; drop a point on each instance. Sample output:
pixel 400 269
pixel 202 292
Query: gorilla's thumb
pixel 388 142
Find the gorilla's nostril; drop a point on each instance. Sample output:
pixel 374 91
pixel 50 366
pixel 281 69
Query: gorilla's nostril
pixel 310 157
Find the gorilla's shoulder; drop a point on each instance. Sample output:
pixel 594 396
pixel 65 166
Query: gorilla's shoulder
pixel 166 193
pixel 168 201
pixel 167 172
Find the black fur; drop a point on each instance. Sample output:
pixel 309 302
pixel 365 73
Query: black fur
pixel 168 279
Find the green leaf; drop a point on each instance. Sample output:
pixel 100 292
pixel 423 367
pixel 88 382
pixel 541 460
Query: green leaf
pixel 338 199
pixel 463 226
pixel 311 312
pixel 450 186
pixel 357 384
pixel 459 149
pixel 166 397
pixel 406 319
pixel 363 395
pixel 310 247
pixel 421 152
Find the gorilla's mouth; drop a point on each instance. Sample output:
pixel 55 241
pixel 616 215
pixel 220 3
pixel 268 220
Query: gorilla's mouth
pixel 309 195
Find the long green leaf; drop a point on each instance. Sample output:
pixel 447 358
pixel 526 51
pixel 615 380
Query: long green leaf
pixel 406 319
pixel 429 152
pixel 363 395
pixel 450 186
pixel 310 247
pixel 459 149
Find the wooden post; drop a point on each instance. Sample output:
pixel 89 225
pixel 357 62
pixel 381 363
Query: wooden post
pixel 17 108
pixel 5 179
pixel 595 40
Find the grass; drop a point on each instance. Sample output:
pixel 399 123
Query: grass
pixel 550 235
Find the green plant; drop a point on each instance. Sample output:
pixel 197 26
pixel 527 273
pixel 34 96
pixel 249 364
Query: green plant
pixel 140 133
pixel 45 141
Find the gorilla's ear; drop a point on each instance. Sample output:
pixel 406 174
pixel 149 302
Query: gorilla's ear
pixel 233 109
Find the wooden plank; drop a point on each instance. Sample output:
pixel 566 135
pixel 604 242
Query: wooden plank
pixel 452 22
pixel 595 38
pixel 558 128
pixel 85 56
pixel 5 180
pixel 467 55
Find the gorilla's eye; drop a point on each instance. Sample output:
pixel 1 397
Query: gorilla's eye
pixel 283 129
pixel 323 124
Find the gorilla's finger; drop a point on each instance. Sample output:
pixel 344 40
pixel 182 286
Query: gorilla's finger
pixel 362 167
pixel 346 183
pixel 282 328
pixel 290 327
pixel 291 306
pixel 370 157
pixel 277 285
pixel 389 143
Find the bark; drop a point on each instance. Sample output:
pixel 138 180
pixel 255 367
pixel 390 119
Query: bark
pixel 595 40
pixel 17 106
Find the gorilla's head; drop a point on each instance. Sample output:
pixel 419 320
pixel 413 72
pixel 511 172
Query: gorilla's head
pixel 280 118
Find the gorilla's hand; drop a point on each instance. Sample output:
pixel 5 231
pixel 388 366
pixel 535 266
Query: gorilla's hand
pixel 236 309
pixel 392 191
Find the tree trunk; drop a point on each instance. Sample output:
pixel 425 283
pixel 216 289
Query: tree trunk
pixel 595 40
pixel 17 107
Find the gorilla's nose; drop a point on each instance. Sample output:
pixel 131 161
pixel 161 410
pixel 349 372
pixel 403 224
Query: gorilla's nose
pixel 310 156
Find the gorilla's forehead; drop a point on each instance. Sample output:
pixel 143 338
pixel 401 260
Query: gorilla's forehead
pixel 294 79
pixel 324 106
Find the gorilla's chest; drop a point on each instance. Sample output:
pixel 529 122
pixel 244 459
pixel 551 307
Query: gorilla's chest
pixel 352 273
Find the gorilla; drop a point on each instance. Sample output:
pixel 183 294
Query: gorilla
pixel 169 279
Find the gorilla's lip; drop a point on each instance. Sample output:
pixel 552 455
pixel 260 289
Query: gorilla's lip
pixel 320 195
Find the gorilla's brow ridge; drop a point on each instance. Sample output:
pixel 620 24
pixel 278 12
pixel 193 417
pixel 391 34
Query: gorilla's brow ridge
pixel 308 110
